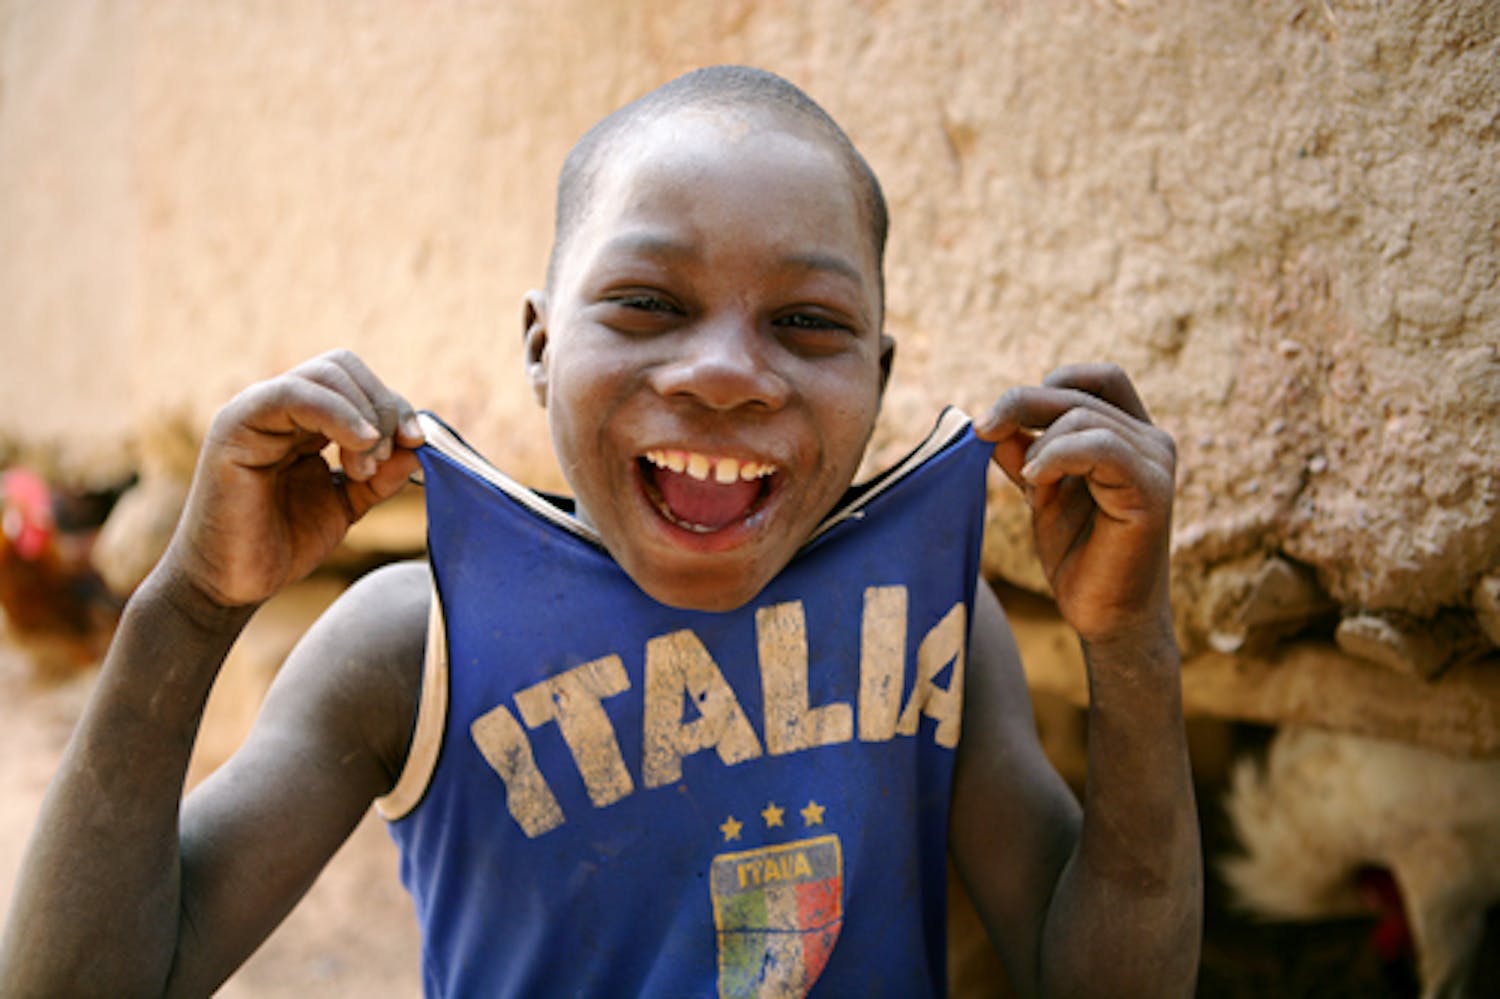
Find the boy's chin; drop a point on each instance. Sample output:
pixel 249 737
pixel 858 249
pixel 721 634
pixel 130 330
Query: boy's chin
pixel 715 596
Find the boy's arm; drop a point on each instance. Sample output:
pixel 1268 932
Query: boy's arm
pixel 114 898
pixel 1111 904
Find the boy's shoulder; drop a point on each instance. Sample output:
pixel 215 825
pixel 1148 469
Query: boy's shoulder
pixel 381 620
pixel 409 582
pixel 388 602
pixel 360 665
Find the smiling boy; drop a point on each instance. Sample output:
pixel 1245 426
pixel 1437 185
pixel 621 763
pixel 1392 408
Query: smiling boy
pixel 619 384
pixel 709 348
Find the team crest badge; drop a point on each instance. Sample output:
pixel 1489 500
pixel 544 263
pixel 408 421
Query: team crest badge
pixel 778 911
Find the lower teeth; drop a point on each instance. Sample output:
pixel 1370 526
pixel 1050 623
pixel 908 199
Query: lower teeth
pixel 666 512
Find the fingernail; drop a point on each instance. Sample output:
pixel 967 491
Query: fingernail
pixel 411 428
pixel 1028 471
pixel 367 431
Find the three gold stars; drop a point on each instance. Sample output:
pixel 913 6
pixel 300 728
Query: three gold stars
pixel 774 817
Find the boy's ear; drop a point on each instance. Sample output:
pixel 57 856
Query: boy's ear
pixel 534 329
pixel 887 359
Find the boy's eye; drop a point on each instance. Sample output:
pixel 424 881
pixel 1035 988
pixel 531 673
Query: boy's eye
pixel 813 333
pixel 808 321
pixel 639 312
pixel 644 303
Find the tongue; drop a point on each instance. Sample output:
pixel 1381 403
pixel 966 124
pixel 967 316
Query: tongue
pixel 709 504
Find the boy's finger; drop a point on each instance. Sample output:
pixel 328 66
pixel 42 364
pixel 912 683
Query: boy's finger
pixel 1001 425
pixel 1106 381
pixel 290 415
pixel 1005 417
pixel 1120 481
pixel 408 429
pixel 396 417
pixel 1035 409
pixel 1083 453
pixel 358 466
pixel 387 480
pixel 1151 443
pixel 327 372
pixel 389 412
pixel 1010 456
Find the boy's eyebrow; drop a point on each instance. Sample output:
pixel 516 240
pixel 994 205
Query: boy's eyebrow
pixel 647 244
pixel 653 245
pixel 816 261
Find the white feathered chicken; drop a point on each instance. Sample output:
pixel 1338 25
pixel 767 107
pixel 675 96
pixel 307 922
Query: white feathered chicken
pixel 1325 817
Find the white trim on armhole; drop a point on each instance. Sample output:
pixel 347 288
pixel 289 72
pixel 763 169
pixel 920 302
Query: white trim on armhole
pixel 432 720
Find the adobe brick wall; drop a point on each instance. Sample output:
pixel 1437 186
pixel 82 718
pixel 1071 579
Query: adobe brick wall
pixel 1281 217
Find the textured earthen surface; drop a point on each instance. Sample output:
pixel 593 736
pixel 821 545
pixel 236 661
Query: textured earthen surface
pixel 1280 217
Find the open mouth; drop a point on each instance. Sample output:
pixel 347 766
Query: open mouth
pixel 703 493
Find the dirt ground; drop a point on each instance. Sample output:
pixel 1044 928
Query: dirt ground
pixel 355 933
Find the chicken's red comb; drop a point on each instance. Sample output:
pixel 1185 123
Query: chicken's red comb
pixel 28 511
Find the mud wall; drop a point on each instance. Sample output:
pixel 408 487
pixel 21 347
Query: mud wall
pixel 1280 216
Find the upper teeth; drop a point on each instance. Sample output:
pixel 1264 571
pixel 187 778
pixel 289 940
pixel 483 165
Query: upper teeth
pixel 701 466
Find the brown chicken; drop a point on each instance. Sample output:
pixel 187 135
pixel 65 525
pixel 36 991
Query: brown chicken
pixel 57 610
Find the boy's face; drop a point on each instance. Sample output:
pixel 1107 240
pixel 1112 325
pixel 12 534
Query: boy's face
pixel 710 351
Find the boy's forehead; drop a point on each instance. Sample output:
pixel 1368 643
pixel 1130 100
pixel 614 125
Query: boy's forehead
pixel 690 140
pixel 733 155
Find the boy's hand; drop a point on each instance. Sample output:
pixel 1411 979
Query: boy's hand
pixel 1099 478
pixel 265 508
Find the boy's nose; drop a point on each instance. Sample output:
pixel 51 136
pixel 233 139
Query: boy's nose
pixel 724 366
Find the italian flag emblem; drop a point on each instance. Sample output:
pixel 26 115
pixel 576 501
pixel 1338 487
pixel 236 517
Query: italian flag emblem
pixel 778 911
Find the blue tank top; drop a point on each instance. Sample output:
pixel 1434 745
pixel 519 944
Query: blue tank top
pixel 608 796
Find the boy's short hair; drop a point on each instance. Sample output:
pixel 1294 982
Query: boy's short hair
pixel 709 87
